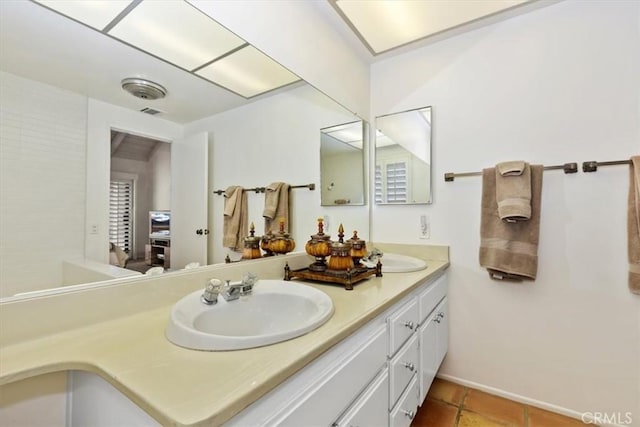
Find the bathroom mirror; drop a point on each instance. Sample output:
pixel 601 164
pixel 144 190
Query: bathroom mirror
pixel 342 164
pixel 88 77
pixel 403 158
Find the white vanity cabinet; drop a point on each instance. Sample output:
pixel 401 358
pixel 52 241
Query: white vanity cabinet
pixel 376 377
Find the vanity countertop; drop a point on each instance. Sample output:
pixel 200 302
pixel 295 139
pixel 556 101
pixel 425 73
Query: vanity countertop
pixel 178 386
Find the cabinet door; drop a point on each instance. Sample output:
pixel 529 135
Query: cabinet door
pixel 370 410
pixel 442 344
pixel 428 337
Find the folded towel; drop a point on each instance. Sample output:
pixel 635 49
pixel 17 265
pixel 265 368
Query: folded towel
pixel 513 190
pixel 276 206
pixel 633 225
pixel 509 251
pixel 235 226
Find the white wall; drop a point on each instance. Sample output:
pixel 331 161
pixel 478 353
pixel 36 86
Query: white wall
pixel 557 85
pixel 277 139
pixel 160 164
pixel 42 184
pixel 294 34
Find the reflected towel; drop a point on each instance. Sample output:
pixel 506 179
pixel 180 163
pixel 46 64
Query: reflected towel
pixel 513 190
pixel 235 226
pixel 509 250
pixel 276 206
pixel 117 256
pixel 633 225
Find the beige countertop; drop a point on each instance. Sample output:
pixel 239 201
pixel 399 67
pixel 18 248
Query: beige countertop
pixel 179 386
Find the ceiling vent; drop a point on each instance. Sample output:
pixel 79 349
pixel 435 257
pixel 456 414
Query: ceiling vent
pixel 144 89
pixel 152 111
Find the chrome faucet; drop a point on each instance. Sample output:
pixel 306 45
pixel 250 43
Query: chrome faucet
pixel 374 254
pixel 233 291
pixel 211 292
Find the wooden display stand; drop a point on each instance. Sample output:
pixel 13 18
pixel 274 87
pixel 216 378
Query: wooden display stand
pixel 346 278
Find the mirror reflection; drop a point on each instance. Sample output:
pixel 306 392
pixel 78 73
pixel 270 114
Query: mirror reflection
pixel 342 164
pixel 64 120
pixel 403 157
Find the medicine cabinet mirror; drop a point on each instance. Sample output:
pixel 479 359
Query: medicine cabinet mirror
pixel 342 164
pixel 403 158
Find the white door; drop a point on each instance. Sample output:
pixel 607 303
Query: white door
pixel 189 184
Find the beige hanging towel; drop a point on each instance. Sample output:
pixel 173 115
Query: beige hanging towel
pixel 276 206
pixel 513 190
pixel 633 225
pixel 235 226
pixel 509 250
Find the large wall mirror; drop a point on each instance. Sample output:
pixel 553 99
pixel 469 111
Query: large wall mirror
pixel 80 96
pixel 403 158
pixel 342 164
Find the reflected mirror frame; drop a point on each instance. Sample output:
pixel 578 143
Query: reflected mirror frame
pixel 329 186
pixel 428 152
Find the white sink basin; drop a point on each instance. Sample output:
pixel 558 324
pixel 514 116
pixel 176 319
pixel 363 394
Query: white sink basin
pixel 396 263
pixel 276 311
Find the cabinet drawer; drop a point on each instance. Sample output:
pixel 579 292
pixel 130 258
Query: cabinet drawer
pixel 402 323
pixel 371 407
pixel 405 410
pixel 402 368
pixel 325 401
pixel 430 297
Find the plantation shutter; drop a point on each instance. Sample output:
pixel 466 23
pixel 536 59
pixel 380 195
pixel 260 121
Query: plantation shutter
pixel 379 196
pixel 121 214
pixel 396 187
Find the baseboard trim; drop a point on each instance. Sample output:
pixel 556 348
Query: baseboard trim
pixel 523 399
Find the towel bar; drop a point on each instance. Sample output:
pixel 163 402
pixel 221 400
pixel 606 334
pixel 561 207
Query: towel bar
pixel 592 166
pixel 567 168
pixel 311 187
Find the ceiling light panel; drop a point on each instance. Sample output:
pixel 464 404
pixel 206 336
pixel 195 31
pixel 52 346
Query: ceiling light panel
pixel 248 72
pixel 176 32
pixel 387 24
pixel 94 13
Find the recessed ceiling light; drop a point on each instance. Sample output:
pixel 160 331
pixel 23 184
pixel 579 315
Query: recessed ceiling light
pixel 386 24
pixel 176 32
pixel 248 72
pixel 94 13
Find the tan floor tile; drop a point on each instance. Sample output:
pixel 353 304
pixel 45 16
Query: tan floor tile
pixel 494 407
pixel 541 418
pixel 433 413
pixel 470 419
pixel 446 391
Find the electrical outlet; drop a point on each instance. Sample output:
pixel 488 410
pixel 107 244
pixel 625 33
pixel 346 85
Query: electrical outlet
pixel 94 229
pixel 425 227
pixel 326 223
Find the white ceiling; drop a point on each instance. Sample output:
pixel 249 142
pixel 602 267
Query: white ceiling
pixel 39 44
pixel 42 45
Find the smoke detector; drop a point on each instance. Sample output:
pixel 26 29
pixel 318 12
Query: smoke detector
pixel 144 89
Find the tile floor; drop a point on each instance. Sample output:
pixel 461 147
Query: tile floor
pixel 453 405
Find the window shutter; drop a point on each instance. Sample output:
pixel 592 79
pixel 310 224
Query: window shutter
pixel 121 214
pixel 396 187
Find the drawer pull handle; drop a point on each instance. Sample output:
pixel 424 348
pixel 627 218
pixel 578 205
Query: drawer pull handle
pixel 436 319
pixel 441 315
pixel 410 366
pixel 409 414
pixel 409 324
